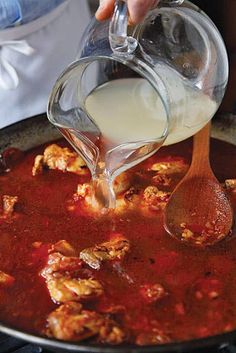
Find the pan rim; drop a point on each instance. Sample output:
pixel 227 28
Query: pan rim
pixel 220 340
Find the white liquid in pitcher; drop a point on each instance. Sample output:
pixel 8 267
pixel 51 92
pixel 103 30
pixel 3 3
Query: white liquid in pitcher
pixel 127 110
pixel 130 110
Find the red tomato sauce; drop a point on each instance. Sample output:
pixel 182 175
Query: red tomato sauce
pixel 200 283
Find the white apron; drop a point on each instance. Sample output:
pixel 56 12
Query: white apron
pixel 33 55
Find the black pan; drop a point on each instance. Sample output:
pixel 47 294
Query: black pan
pixel 32 132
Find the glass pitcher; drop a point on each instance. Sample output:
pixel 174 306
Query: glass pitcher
pixel 135 88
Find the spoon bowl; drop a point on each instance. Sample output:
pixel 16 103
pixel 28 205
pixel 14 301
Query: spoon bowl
pixel 199 212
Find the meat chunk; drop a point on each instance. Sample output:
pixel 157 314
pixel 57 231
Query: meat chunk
pixel 152 292
pixel 155 198
pixel 111 333
pixel 132 195
pixel 70 323
pixel 152 337
pixel 85 193
pixel 5 279
pixel 60 272
pixel 8 205
pixel 89 203
pixel 170 167
pixel 60 263
pixel 38 165
pixel 84 190
pixel 115 249
pixel 63 289
pixel 56 157
pixel 64 248
pixel 162 180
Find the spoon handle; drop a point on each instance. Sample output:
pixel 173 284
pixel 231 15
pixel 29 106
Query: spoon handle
pixel 201 146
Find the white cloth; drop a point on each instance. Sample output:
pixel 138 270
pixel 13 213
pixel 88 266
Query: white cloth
pixel 33 55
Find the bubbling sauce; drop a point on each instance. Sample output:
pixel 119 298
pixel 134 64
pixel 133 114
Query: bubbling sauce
pixel 156 291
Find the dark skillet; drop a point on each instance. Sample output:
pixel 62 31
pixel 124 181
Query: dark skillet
pixel 32 132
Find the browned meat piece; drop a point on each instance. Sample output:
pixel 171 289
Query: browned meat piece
pixel 38 165
pixel 5 279
pixel 83 190
pixel 58 292
pixel 152 193
pixel 70 323
pixel 60 263
pixel 155 198
pixel 85 193
pixel 162 179
pixel 56 157
pixel 111 333
pixel 153 337
pixel 8 205
pixel 64 248
pixel 230 184
pixel 153 292
pixel 172 167
pixel 114 249
pixel 132 195
pixel 58 273
pixel 90 203
pixel 63 289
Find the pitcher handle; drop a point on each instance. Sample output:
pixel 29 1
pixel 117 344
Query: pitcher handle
pixel 120 42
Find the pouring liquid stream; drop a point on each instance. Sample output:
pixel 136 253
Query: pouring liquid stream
pixel 130 116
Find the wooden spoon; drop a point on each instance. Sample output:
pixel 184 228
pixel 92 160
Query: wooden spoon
pixel 199 211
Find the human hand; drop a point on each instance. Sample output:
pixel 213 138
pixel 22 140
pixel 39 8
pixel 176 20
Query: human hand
pixel 137 9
